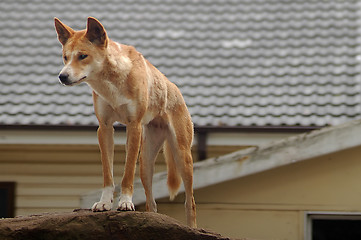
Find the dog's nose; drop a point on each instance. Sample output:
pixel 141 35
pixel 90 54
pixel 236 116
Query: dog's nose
pixel 64 78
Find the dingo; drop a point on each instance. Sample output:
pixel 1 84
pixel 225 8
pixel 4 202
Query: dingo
pixel 130 90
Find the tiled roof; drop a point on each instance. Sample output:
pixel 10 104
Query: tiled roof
pixel 237 62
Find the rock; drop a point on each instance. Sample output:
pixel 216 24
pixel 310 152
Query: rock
pixel 113 225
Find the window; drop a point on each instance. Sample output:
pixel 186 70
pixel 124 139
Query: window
pixel 332 226
pixel 7 199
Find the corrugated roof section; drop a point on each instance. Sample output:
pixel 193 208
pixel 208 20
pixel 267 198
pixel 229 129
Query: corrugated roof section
pixel 237 62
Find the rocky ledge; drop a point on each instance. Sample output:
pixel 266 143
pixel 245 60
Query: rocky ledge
pixel 85 224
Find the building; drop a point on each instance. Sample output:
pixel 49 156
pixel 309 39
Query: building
pixel 251 72
pixel 294 188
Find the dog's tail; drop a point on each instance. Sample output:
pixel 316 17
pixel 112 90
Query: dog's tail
pixel 174 178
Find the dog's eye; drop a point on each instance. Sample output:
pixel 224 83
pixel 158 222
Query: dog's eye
pixel 83 56
pixel 65 58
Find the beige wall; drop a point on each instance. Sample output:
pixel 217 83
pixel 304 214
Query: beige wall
pixel 272 204
pixel 51 178
pixel 269 205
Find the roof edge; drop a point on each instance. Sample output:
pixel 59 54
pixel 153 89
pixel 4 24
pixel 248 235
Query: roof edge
pixel 197 129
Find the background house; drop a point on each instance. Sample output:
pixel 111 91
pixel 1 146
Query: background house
pixel 251 72
pixel 301 187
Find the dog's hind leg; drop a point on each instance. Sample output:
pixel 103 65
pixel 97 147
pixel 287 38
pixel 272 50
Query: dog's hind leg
pixel 185 165
pixel 180 140
pixel 187 176
pixel 152 140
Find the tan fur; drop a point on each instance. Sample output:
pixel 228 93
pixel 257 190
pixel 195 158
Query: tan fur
pixel 130 90
pixel 174 179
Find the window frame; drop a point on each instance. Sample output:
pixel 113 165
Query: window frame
pixel 310 216
pixel 10 187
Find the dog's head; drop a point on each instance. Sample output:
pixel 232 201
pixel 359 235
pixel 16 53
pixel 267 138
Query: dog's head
pixel 83 51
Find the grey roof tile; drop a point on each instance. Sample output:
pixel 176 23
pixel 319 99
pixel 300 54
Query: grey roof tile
pixel 237 62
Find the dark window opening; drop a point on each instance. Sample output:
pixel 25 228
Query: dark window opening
pixel 336 228
pixel 7 199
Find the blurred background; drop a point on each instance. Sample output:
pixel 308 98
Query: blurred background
pixel 251 72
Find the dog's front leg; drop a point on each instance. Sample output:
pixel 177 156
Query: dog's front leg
pixel 106 144
pixel 134 132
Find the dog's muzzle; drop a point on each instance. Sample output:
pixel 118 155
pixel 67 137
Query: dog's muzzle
pixel 64 79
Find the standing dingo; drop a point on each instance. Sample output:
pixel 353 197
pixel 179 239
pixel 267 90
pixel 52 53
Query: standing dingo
pixel 130 90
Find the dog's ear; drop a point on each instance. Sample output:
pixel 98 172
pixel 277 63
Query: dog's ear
pixel 96 32
pixel 64 32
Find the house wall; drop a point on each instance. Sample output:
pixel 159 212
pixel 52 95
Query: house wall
pixel 270 205
pixel 273 204
pixel 52 177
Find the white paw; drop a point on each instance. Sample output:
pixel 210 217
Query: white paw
pixel 125 203
pixel 151 206
pixel 126 206
pixel 106 200
pixel 102 206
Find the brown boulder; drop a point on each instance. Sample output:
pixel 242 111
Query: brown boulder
pixel 85 224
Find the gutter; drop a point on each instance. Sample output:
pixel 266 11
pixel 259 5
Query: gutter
pixel 201 132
